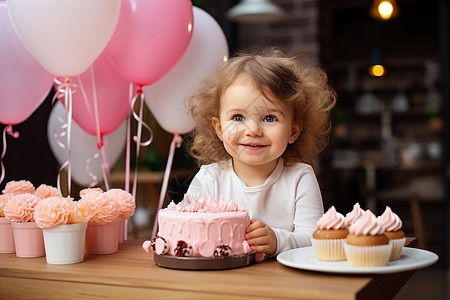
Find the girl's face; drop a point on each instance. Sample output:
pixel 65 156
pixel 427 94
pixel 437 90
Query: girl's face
pixel 254 130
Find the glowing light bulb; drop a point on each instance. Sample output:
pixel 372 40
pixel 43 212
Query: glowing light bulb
pixel 385 9
pixel 225 58
pixel 190 27
pixel 376 70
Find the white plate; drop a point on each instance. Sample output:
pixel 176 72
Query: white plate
pixel 304 258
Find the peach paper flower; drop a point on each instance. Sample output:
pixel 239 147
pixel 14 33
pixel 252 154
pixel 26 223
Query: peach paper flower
pixel 3 200
pixel 126 202
pixel 90 192
pixel 52 211
pixel 20 208
pixel 106 209
pixel 45 191
pixel 19 187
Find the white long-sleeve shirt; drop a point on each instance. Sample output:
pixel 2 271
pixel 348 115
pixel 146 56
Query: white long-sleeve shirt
pixel 289 201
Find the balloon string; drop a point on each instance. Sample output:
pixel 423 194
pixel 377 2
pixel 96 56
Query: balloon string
pixel 64 90
pixel 8 130
pixel 128 145
pixel 100 144
pixel 137 138
pixel 127 158
pixel 176 142
pixel 88 170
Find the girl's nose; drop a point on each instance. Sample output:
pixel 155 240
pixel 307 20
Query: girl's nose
pixel 253 128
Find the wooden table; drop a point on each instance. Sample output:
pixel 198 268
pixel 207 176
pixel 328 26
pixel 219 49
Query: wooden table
pixel 131 274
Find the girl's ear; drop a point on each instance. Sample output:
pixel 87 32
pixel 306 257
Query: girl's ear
pixel 295 131
pixel 216 124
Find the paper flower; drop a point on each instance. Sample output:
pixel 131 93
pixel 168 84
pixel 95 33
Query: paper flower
pixel 45 191
pixel 125 200
pixel 19 187
pixel 20 208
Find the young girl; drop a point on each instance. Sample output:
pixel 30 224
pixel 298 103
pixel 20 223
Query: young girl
pixel 260 124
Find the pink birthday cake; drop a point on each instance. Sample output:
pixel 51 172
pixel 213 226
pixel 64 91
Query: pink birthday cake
pixel 205 228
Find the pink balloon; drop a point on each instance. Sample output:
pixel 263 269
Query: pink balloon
pixel 150 38
pixel 24 83
pixel 112 98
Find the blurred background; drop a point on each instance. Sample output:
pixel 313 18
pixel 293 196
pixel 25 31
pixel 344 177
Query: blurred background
pixel 389 64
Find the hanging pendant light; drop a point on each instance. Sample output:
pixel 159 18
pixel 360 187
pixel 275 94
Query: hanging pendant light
pixel 255 11
pixel 384 10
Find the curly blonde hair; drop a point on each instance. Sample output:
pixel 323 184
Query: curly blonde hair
pixel 274 73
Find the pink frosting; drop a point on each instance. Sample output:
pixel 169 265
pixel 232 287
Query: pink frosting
pixel 366 225
pixel 331 220
pixel 45 191
pixel 19 187
pixel 53 211
pixel 106 209
pixel 20 208
pixel 354 215
pixel 3 200
pixel 205 205
pixel 389 220
pixel 126 202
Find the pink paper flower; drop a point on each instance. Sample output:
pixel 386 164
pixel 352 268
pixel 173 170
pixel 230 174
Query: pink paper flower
pixel 3 200
pixel 105 209
pixel 125 200
pixel 20 208
pixel 53 211
pixel 19 187
pixel 45 191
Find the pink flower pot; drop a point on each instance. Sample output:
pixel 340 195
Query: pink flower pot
pixel 6 236
pixel 121 230
pixel 28 240
pixel 102 239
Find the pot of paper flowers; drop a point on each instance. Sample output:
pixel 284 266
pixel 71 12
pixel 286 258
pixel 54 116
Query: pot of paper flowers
pixel 14 188
pixel 28 238
pixel 127 206
pixel 6 232
pixel 64 227
pixel 102 234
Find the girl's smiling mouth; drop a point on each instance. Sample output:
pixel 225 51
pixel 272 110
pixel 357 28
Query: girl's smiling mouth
pixel 253 145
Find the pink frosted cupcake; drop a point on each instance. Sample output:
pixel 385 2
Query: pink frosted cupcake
pixel 393 230
pixel 354 215
pixel 20 208
pixel 366 244
pixel 328 240
pixel 19 187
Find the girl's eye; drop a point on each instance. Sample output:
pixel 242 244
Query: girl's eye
pixel 238 118
pixel 270 118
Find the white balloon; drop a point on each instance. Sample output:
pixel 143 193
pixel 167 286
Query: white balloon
pixel 84 147
pixel 166 98
pixel 64 36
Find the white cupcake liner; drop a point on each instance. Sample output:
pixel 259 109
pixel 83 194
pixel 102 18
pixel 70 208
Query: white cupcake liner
pixel 397 247
pixel 368 256
pixel 329 250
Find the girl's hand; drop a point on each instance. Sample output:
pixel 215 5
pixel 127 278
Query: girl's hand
pixel 261 237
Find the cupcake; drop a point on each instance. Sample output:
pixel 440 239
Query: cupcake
pixel 354 215
pixel 329 237
pixel 393 230
pixel 366 244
